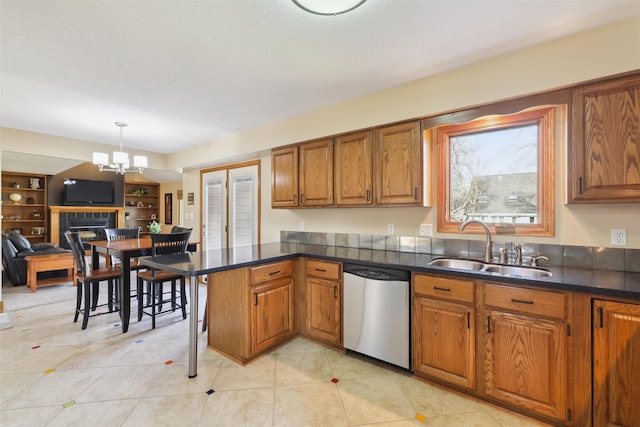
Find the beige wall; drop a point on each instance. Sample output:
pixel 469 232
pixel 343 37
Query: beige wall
pixel 600 52
pixel 170 187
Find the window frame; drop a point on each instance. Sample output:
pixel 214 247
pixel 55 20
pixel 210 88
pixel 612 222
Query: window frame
pixel 544 118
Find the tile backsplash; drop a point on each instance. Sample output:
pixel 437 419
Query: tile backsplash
pixel 616 259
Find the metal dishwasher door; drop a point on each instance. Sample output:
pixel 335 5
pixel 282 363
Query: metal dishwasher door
pixel 376 318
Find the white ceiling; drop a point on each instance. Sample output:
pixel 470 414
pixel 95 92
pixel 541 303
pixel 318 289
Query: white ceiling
pixel 185 73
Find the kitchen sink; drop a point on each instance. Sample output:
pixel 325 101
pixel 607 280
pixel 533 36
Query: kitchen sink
pixel 457 263
pixel 516 271
pixel 501 269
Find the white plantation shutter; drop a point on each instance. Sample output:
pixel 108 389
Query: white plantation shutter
pixel 242 196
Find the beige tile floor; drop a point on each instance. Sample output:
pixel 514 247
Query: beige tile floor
pixel 54 374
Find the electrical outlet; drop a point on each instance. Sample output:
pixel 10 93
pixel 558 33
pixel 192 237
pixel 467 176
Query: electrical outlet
pixel 618 236
pixel 301 225
pixel 391 229
pixel 425 230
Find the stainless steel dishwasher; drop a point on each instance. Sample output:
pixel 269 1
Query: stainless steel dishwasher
pixel 376 313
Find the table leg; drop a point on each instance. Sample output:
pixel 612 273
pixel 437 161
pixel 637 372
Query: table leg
pixel 193 327
pixel 125 290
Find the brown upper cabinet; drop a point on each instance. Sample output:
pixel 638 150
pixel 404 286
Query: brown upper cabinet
pixel 316 173
pixel 399 165
pixel 604 149
pixel 302 175
pixel 379 167
pixel 284 177
pixel 353 169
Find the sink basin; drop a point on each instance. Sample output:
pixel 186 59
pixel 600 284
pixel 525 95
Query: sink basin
pixel 501 269
pixel 457 263
pixel 516 271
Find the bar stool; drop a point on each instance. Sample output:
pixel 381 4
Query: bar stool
pixel 163 244
pixel 88 281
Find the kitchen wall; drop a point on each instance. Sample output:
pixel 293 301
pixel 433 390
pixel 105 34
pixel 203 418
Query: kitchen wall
pixel 601 52
pixel 596 53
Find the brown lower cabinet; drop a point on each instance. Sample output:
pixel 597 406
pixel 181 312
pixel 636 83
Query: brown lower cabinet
pixel 516 353
pixel 250 309
pixel 616 364
pixel 444 329
pixel 525 356
pixel 323 286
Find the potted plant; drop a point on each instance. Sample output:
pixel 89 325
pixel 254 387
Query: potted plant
pixel 154 227
pixel 139 191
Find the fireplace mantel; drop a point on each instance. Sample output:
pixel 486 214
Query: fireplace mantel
pixel 55 211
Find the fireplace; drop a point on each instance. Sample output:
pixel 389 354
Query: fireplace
pixel 89 221
pixel 90 226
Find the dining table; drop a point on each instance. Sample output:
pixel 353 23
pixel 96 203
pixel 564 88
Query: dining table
pixel 125 250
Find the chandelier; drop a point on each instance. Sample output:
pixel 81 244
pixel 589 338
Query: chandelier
pixel 328 7
pixel 120 162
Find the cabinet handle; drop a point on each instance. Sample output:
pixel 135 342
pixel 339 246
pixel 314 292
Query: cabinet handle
pixel 415 193
pixel 335 292
pixel 368 195
pixel 302 199
pixel 521 301
pixel 579 185
pixel 255 301
pixel 488 324
pixel 321 270
pixel 468 320
pixel 601 314
pixel 295 199
pixel 271 273
pixel 442 289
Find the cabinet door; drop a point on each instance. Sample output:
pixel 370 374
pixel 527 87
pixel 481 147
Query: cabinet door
pixel 316 173
pixel 323 309
pixel 616 364
pixel 604 150
pixel 526 362
pixel 284 177
pixel 353 174
pixel 398 165
pixel 271 314
pixel 444 344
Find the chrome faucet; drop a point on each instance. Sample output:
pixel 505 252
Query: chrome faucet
pixel 488 256
pixel 518 248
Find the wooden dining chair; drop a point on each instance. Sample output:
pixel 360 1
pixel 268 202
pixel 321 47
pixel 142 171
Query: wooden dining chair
pixel 163 244
pixel 88 282
pixel 123 234
pixel 180 229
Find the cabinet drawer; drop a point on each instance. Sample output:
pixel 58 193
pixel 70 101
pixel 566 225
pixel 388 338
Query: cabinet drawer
pixel 322 269
pixel 440 287
pixel 272 271
pixel 545 303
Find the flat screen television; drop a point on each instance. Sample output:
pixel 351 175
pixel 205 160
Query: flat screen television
pixel 88 192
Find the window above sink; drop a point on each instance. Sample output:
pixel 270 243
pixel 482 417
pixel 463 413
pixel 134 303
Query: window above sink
pixel 499 169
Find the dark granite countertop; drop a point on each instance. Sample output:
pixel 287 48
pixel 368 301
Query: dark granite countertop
pixel 602 282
